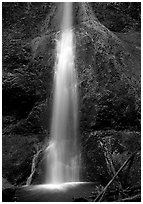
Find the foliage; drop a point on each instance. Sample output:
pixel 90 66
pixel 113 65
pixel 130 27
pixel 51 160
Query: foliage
pixel 101 146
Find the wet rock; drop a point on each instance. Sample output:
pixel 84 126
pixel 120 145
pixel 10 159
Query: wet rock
pixel 80 200
pixel 8 195
pixel 8 191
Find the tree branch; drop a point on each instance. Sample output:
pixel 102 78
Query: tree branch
pixel 101 195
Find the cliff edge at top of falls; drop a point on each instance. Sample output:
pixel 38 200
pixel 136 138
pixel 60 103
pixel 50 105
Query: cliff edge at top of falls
pixel 108 66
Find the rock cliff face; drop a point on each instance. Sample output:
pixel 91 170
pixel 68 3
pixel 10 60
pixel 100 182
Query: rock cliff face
pixel 108 66
pixel 108 70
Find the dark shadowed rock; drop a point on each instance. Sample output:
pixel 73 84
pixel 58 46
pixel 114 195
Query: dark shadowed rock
pixel 8 195
pixel 8 191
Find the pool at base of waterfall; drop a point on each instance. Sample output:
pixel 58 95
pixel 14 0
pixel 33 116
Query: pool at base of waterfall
pixel 64 192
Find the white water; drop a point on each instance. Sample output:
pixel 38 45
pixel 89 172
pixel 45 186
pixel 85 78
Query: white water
pixel 63 152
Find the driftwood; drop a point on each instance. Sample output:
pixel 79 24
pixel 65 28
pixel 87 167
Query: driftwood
pixel 109 161
pixel 134 198
pixel 125 177
pixel 101 195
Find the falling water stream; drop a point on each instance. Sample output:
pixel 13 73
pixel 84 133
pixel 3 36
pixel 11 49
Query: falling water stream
pixel 62 155
pixel 63 151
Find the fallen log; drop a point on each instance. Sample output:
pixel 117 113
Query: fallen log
pixel 135 198
pixel 101 195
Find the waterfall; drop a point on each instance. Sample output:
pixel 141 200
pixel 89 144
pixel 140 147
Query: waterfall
pixel 63 154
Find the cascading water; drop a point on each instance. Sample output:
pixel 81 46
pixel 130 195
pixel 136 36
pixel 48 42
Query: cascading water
pixel 63 151
pixel 62 154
